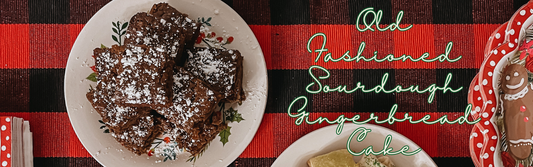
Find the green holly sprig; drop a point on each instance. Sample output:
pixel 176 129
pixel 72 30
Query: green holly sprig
pixel 119 30
pixel 106 130
pixel 230 115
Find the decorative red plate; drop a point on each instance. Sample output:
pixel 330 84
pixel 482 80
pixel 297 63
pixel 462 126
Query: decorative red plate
pixel 484 139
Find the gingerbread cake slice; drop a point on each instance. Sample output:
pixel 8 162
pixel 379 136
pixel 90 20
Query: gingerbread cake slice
pixel 101 96
pixel 106 60
pixel 195 138
pixel 114 116
pixel 138 137
pixel 146 29
pixel 193 100
pixel 221 68
pixel 173 18
pixel 144 77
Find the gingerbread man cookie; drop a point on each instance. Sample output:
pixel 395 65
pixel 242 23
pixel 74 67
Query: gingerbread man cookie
pixel 517 105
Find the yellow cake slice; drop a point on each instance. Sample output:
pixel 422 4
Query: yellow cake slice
pixel 372 161
pixel 338 158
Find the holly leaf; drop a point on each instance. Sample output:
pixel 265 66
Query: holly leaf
pixel 224 135
pixel 92 77
pixel 233 116
pixel 114 38
pixel 237 118
pixel 124 25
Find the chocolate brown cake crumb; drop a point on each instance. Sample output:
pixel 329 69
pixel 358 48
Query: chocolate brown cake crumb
pixel 193 100
pixel 196 138
pixel 114 116
pixel 146 29
pixel 139 136
pixel 106 60
pixel 101 97
pixel 144 77
pixel 220 68
pixel 173 18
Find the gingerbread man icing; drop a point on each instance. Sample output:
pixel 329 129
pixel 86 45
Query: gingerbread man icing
pixel 517 105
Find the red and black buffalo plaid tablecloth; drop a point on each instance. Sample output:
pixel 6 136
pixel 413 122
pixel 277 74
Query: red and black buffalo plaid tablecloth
pixel 36 37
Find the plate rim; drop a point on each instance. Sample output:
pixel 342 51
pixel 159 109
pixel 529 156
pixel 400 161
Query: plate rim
pixel 347 127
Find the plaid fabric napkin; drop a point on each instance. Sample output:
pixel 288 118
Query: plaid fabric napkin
pixel 36 37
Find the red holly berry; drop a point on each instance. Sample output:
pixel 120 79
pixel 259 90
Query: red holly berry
pixel 151 152
pixel 230 39
pixel 198 40
pixel 219 39
pixel 213 34
pixel 93 68
pixel 200 37
pixel 167 139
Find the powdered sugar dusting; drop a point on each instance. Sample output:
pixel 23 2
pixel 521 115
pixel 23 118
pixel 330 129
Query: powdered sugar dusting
pixel 217 67
pixel 190 102
pixel 137 83
pixel 136 137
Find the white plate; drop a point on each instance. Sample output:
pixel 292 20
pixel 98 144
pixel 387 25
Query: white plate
pixel 325 140
pixel 98 31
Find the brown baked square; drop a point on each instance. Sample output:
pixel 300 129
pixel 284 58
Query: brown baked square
pixel 221 68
